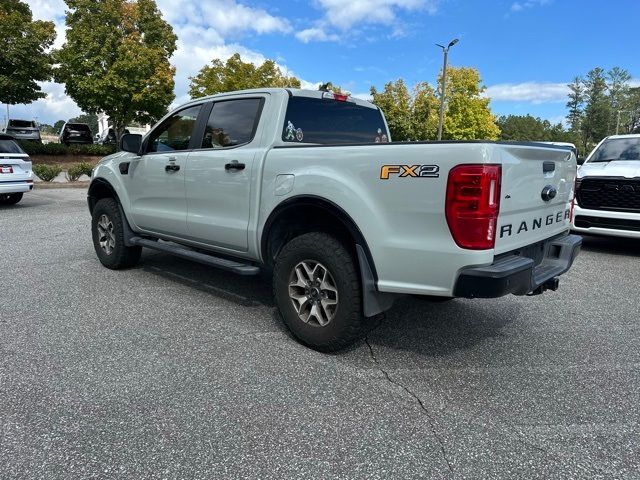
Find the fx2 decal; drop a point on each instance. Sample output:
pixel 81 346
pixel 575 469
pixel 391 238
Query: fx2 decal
pixel 409 171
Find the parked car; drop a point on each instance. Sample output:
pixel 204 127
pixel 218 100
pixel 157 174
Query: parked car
pixel 608 189
pixel 26 130
pixel 109 137
pixel 75 133
pixel 305 183
pixel 16 176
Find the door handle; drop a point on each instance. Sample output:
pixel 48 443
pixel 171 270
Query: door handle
pixel 172 168
pixel 234 165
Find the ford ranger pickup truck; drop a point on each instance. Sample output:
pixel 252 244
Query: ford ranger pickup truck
pixel 608 189
pixel 308 185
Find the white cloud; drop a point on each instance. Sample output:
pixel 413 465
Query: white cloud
pixel 225 16
pixel 56 106
pixel 346 14
pixel 523 5
pixel 206 29
pixel 343 16
pixel 316 34
pixel 534 92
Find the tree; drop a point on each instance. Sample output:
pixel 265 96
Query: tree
pixel 236 74
pixel 24 59
pixel 467 113
pixel 424 112
pixel 414 116
pixel 88 118
pixel 575 104
pixel 618 91
pixel 47 129
pixel 632 109
pixel 116 60
pixel 531 129
pixel 57 127
pixel 597 113
pixel 397 105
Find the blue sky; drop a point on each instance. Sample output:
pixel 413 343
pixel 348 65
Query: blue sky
pixel 526 50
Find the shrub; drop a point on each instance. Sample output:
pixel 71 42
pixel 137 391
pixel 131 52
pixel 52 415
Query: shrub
pixel 46 172
pixel 85 168
pixel 33 148
pixel 76 171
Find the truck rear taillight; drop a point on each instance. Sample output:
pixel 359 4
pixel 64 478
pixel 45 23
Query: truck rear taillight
pixel 473 204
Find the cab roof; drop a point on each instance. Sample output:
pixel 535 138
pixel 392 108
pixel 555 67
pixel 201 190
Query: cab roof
pixel 293 92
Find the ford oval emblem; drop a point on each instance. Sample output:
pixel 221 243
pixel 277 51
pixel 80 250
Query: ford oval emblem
pixel 549 193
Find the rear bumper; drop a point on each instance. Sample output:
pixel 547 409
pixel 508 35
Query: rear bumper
pixel 606 222
pixel 15 187
pixel 519 274
pixel 27 137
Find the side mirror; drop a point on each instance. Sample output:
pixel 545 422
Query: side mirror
pixel 131 143
pixel 580 160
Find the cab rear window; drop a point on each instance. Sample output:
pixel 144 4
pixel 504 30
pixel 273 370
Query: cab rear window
pixel 78 127
pixel 22 124
pixel 331 122
pixel 9 146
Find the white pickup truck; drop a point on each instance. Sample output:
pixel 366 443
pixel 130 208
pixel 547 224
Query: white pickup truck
pixel 307 184
pixel 608 189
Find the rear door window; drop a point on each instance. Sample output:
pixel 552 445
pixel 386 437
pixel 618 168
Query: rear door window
pixel 232 123
pixel 330 122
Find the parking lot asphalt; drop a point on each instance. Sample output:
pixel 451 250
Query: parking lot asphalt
pixel 175 370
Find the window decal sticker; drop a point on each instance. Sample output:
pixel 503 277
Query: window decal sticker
pixel 291 131
pixel 381 137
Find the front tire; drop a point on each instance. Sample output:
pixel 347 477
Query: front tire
pixel 10 198
pixel 108 236
pixel 318 293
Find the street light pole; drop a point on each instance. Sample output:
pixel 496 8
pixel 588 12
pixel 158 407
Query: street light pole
pixel 445 51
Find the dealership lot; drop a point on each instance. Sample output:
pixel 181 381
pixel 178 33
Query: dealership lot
pixel 175 370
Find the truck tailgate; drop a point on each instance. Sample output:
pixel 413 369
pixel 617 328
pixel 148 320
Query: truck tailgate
pixel 537 189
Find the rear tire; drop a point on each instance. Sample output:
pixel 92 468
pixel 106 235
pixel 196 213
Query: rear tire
pixel 10 198
pixel 317 289
pixel 108 236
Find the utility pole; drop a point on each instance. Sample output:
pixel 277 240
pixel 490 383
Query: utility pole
pixel 445 52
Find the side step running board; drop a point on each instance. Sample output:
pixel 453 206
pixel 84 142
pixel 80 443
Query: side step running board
pixel 184 252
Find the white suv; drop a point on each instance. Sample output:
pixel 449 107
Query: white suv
pixel 608 189
pixel 16 176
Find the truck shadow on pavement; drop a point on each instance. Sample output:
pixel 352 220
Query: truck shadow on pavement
pixel 413 324
pixel 612 245
pixel 436 329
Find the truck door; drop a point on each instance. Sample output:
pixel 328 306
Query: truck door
pixel 155 180
pixel 218 175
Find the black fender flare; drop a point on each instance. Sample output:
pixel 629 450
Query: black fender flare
pixel 96 189
pixel 373 301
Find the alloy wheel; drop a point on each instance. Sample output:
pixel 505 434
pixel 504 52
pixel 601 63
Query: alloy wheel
pixel 313 293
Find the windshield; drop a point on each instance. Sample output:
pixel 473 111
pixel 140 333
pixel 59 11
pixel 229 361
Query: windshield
pixel 22 124
pixel 617 149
